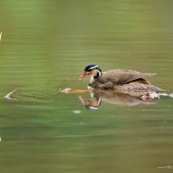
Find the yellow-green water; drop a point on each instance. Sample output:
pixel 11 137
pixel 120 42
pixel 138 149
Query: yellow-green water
pixel 45 46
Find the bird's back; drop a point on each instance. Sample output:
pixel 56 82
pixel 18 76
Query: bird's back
pixel 124 80
pixel 123 76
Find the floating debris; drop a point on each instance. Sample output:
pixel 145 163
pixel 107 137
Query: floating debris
pixel 9 95
pixel 153 95
pixel 0 36
pixel 150 95
pixel 66 90
pixel 0 139
pixel 76 111
pixel 171 95
pixel 163 94
pixel 70 90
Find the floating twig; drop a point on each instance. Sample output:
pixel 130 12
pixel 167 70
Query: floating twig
pixel 8 96
pixel 69 90
pixel 0 36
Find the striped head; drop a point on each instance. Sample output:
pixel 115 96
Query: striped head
pixel 91 69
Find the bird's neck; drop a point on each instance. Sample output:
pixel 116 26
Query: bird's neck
pixel 99 73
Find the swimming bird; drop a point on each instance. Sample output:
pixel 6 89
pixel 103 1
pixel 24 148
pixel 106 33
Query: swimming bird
pixel 121 80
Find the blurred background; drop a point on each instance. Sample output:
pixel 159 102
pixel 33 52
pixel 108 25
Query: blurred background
pixel 45 46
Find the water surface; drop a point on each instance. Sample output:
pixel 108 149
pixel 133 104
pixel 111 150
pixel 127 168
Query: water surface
pixel 45 46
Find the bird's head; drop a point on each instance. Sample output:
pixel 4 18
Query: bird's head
pixel 91 69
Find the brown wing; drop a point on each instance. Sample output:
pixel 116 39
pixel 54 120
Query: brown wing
pixel 122 76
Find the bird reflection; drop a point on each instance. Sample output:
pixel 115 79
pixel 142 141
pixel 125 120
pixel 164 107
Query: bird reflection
pixel 93 103
pixel 112 97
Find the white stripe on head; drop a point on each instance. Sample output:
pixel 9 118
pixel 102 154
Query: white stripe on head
pixel 93 67
pixel 99 73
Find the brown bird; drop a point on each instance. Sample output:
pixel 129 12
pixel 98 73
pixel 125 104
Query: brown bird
pixel 120 80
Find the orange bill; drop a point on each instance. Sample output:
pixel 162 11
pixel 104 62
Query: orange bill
pixel 83 75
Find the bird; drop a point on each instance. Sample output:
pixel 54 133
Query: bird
pixel 120 80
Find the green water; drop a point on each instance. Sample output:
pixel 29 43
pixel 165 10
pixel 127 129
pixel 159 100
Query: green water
pixel 45 46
